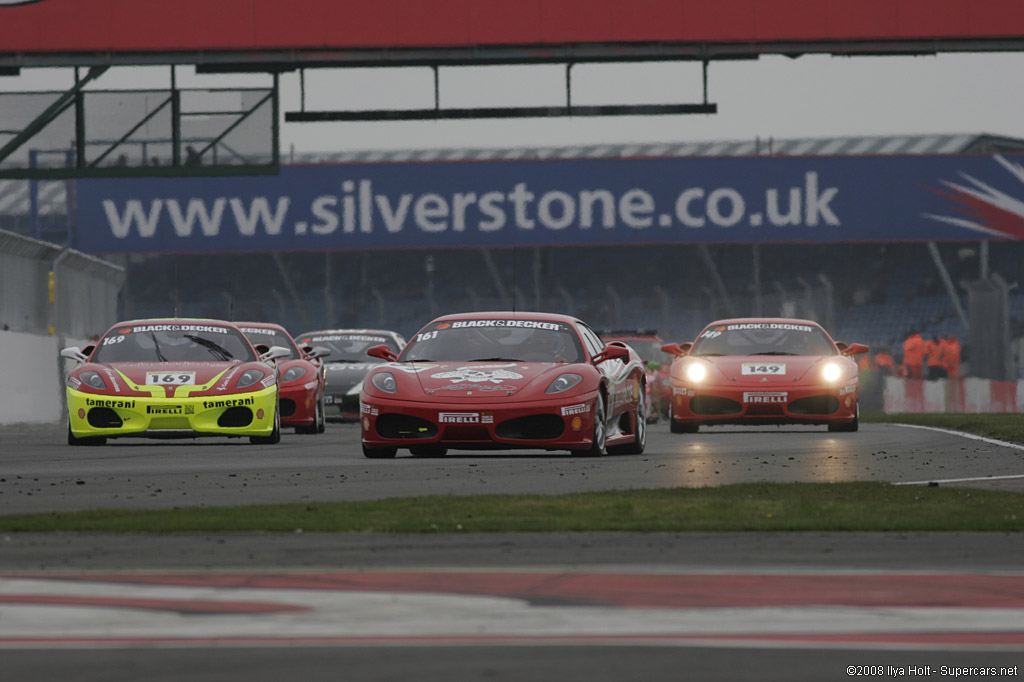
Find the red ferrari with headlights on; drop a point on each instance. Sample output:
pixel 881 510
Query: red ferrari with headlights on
pixel 301 390
pixel 764 371
pixel 503 380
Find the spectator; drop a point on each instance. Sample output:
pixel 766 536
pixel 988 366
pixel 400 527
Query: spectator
pixel 913 355
pixel 885 362
pixel 933 351
pixel 950 352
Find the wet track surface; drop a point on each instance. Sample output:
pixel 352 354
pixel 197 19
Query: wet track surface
pixel 595 606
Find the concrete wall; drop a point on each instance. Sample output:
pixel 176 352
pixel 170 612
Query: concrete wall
pixel 31 379
pixel 965 395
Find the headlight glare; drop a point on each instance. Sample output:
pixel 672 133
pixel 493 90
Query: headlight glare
pixel 831 371
pixel 250 377
pixel 293 373
pixel 93 379
pixel 696 371
pixel 563 382
pixel 385 381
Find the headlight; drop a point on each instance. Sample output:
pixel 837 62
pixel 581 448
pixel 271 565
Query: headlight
pixel 250 377
pixel 293 373
pixel 696 371
pixel 385 381
pixel 92 379
pixel 563 382
pixel 831 371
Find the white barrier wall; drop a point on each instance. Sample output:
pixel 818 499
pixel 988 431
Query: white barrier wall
pixel 30 381
pixel 957 395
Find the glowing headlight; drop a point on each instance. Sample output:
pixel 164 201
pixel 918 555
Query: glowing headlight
pixel 563 382
pixel 385 381
pixel 92 379
pixel 293 373
pixel 831 371
pixel 250 377
pixel 696 372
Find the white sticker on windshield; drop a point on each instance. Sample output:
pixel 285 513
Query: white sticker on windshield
pixel 769 368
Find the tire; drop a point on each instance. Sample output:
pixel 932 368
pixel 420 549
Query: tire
pixel 597 447
pixel 428 451
pixel 321 420
pixel 275 435
pixel 86 440
pixel 640 440
pixel 682 427
pixel 379 453
pixel 318 421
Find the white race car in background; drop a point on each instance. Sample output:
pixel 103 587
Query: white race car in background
pixel 348 363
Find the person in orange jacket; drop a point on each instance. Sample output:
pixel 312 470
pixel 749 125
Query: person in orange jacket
pixel 933 350
pixel 950 351
pixel 885 362
pixel 913 355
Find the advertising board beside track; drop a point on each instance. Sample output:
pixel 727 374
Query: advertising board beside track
pixel 560 203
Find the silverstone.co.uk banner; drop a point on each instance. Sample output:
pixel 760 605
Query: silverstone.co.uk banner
pixel 561 202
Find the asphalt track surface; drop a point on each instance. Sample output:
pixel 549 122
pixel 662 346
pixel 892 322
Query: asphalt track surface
pixel 450 606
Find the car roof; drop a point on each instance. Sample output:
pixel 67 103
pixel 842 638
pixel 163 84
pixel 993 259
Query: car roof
pixel 764 320
pixel 174 320
pixel 264 325
pixel 349 331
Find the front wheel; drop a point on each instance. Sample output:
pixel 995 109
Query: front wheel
pixel 848 427
pixel 640 431
pixel 597 446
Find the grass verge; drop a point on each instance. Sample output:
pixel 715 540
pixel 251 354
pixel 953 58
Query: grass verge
pixel 863 506
pixel 1007 426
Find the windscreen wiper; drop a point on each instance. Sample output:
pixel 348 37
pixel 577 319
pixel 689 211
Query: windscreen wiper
pixel 156 347
pixel 216 349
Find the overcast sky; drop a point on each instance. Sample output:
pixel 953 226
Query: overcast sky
pixel 772 97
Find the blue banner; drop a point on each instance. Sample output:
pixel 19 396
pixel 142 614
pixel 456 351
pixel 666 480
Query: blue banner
pixel 560 202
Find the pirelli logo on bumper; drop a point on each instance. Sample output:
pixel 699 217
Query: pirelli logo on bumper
pixel 124 404
pixel 465 418
pixel 170 409
pixel 765 397
pixel 581 408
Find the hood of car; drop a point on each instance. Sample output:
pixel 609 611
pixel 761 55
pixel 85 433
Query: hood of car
pixel 764 370
pixel 343 376
pixel 121 376
pixel 476 380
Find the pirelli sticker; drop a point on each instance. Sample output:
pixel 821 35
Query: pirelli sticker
pixel 580 408
pixel 465 418
pixel 765 397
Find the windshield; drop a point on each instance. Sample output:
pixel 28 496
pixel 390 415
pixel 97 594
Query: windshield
pixel 348 347
pixel 173 343
pixel 271 336
pixel 503 339
pixel 763 338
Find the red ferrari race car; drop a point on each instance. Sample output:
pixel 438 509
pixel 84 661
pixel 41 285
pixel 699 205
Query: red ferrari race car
pixel 503 380
pixel 173 378
pixel 648 345
pixel 301 391
pixel 764 371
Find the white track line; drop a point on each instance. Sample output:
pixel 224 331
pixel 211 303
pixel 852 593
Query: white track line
pixel 991 441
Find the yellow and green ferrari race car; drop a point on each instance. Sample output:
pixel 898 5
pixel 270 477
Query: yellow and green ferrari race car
pixel 163 378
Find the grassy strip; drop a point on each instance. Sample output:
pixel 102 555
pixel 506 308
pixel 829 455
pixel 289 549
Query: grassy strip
pixel 742 507
pixel 1008 427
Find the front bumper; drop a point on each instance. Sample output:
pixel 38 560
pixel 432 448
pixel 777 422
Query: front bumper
pixel 239 414
pixel 298 403
pixel 756 404
pixel 553 424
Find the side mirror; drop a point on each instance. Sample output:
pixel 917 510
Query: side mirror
pixel 677 349
pixel 273 352
pixel 852 349
pixel 317 352
pixel 611 352
pixel 382 352
pixel 74 353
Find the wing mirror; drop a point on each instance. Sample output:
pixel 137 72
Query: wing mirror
pixel 677 349
pixel 611 352
pixel 74 353
pixel 317 352
pixel 272 353
pixel 852 349
pixel 382 352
